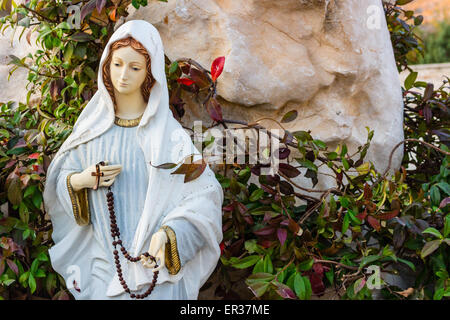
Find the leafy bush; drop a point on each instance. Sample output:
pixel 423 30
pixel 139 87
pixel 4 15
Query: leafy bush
pixel 437 44
pixel 281 249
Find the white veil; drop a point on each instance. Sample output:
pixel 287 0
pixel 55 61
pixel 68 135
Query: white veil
pixel 162 140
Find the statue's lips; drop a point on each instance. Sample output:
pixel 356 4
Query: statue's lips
pixel 123 84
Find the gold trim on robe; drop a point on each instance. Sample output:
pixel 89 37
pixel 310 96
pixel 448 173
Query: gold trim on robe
pixel 80 203
pixel 172 260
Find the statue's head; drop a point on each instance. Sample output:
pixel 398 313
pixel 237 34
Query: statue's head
pixel 127 69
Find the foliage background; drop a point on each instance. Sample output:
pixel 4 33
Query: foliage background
pixel 279 250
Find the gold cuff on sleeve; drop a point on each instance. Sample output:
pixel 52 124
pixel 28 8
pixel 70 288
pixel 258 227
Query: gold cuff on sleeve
pixel 80 203
pixel 172 260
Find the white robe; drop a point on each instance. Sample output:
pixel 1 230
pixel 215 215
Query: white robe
pixel 118 145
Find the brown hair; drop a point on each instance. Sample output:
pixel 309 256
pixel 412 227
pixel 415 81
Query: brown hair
pixel 136 45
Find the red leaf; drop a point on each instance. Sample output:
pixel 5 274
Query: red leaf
pixel 319 269
pixel 217 67
pixel 10 164
pixel 285 292
pixel 34 156
pixel 229 207
pixel 362 215
pixel 13 266
pixel 214 109
pixel 266 244
pixel 282 235
pixel 249 219
pixel 222 247
pixel 293 226
pixel 264 231
pixel 288 170
pixel 242 208
pixel 367 192
pixel 283 153
pixel 388 215
pixel 112 15
pixel 87 8
pixel 199 78
pixel 100 5
pixel 444 202
pixel 2 266
pixel 317 285
pixel 374 223
pixel 195 170
pixel 267 189
pixel 185 81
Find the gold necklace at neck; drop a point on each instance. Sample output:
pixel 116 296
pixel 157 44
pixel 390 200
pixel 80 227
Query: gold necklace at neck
pixel 127 122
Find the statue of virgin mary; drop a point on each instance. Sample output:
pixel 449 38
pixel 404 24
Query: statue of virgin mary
pixel 155 210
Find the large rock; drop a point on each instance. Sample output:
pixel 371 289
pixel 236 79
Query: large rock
pixel 332 61
pixel 14 89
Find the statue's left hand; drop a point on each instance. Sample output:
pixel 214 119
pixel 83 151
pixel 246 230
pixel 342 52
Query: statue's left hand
pixel 157 249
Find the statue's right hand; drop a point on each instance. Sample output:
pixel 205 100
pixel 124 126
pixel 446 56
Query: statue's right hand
pixel 84 179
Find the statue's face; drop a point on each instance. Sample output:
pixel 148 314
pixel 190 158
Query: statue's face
pixel 128 70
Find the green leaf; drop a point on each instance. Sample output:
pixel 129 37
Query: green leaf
pixel 256 195
pixel 435 195
pixel 4 133
pixel 302 287
pixel 259 288
pixel 268 266
pixel 23 278
pixel 344 150
pixel 246 262
pixel 403 2
pixel 320 144
pixel 89 72
pixel 444 187
pixel 408 263
pixel 68 52
pixel 37 199
pixel 40 273
pixel 307 164
pixel 302 135
pixel 42 257
pixel 299 286
pixel 34 266
pixel 332 155
pixel 260 277
pixel 259 266
pixel 32 283
pixel 447 226
pixel 24 213
pixel 173 67
pixel 345 202
pixel 15 192
pixel 290 116
pixel 430 247
pixel 330 276
pixel 29 190
pixel 410 79
pixel 369 259
pixel 306 265
pixel 434 232
pixel 345 164
pixel 345 223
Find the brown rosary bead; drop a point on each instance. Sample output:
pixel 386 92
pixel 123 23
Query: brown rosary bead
pixel 115 233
